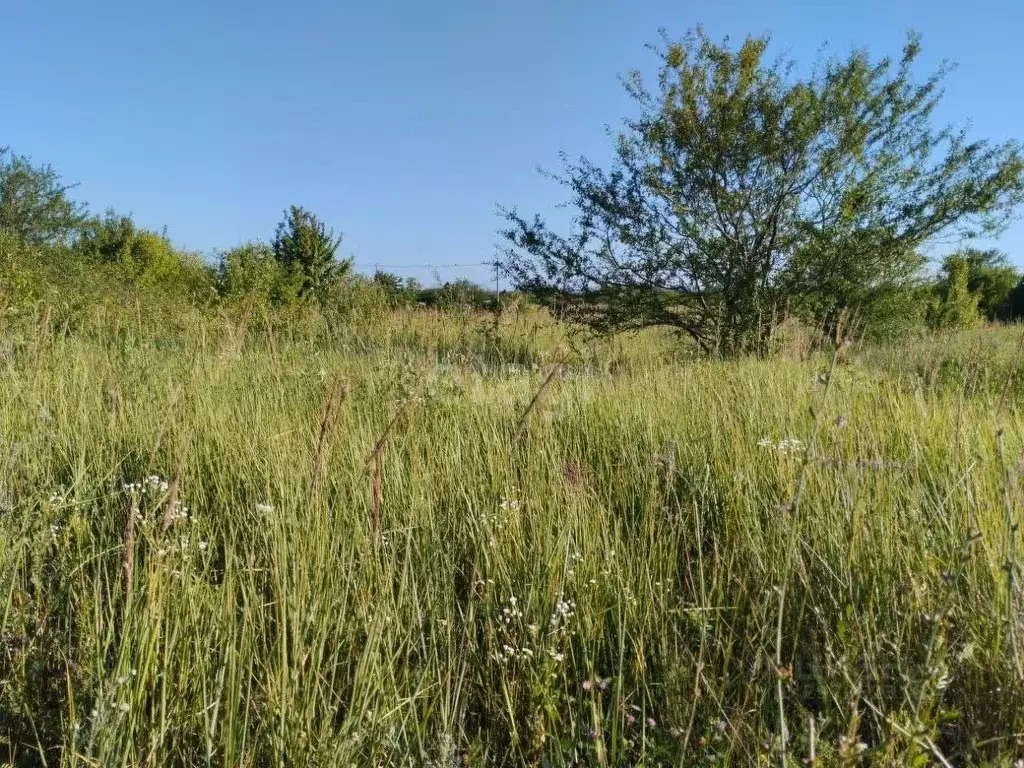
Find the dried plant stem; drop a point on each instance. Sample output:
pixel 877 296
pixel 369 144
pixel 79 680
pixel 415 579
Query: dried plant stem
pixel 173 491
pixel 274 357
pixel 335 394
pixel 382 440
pixel 374 460
pixel 43 332
pixel 128 557
pixel 377 495
pixel 555 370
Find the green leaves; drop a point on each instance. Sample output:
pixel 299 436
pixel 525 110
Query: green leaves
pixel 306 248
pixel 741 193
pixel 34 205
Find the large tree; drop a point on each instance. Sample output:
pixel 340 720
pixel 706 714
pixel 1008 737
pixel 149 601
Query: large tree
pixel 34 203
pixel 307 248
pixel 743 192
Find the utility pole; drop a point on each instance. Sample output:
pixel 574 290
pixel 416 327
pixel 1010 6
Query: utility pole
pixel 497 295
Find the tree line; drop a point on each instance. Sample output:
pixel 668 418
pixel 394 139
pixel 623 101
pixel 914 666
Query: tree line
pixel 741 195
pixel 49 240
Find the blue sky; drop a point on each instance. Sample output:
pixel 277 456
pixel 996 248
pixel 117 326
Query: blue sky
pixel 403 124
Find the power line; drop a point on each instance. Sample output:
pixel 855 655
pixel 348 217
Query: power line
pixel 378 265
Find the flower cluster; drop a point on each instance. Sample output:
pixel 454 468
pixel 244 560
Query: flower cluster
pixel 178 512
pixel 785 445
pixel 512 611
pixel 510 502
pixel 154 484
pixel 523 642
pixel 512 647
pixel 564 611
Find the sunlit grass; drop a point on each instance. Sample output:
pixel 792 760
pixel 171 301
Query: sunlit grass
pixel 633 579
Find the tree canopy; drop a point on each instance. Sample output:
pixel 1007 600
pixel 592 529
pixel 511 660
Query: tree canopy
pixel 34 203
pixel 743 192
pixel 306 248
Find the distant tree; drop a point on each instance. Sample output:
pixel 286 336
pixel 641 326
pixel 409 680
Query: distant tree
pixel 34 202
pixel 990 277
pixel 463 294
pixel 251 271
pixel 1015 302
pixel 306 247
pixel 956 306
pixel 397 291
pixel 742 193
pixel 143 257
pixel 388 281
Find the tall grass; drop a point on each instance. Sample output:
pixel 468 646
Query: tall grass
pixel 665 562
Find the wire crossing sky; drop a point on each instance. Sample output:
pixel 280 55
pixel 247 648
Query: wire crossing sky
pixel 404 124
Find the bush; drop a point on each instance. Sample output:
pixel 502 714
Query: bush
pixel 250 272
pixel 460 294
pixel 954 307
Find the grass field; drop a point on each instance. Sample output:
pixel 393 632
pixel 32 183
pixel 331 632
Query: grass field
pixel 430 543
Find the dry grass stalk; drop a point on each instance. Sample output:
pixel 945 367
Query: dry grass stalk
pixel 44 329
pixel 162 429
pixel 383 439
pixel 377 495
pixel 335 395
pixel 172 493
pixel 374 460
pixel 555 370
pixel 274 357
pixel 128 557
pixel 242 329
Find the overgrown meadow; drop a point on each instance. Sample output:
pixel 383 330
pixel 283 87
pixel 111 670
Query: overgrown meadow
pixel 431 541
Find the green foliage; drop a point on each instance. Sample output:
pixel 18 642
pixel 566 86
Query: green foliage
pixel 1015 302
pixel 462 294
pixel 251 271
pixel 306 248
pixel 990 277
pixel 358 299
pixel 956 306
pixel 57 276
pixel 147 259
pixel 397 290
pixel 34 202
pixel 742 192
pixel 893 312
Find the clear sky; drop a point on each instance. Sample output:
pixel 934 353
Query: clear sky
pixel 403 124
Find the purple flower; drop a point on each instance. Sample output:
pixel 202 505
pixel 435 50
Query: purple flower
pixel 650 722
pixel 586 685
pixel 593 734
